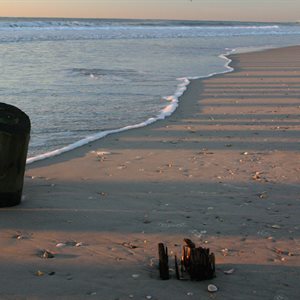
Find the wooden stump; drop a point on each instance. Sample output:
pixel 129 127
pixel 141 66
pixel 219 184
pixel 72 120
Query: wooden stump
pixel 198 262
pixel 163 262
pixel 14 138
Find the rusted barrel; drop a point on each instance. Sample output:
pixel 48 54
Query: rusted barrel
pixel 14 139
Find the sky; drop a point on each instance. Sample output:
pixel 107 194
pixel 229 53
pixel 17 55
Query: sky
pixel 236 10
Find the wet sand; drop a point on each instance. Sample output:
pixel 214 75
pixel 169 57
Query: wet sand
pixel 223 170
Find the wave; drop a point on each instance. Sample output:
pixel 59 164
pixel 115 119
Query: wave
pixel 32 30
pixel 166 112
pixel 123 23
pixel 80 26
pixel 60 32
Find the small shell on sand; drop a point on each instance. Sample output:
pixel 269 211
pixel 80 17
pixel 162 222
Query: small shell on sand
pixel 212 288
pixel 47 254
pixel 276 226
pixel 228 272
pixel 39 273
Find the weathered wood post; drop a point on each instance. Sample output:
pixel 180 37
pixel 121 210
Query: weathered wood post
pixel 163 262
pixel 198 262
pixel 14 139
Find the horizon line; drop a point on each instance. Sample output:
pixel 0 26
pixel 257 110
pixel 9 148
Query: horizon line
pixel 147 19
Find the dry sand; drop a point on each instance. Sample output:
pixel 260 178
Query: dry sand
pixel 222 171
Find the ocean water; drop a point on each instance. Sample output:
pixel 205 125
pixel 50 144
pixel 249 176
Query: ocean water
pixel 81 79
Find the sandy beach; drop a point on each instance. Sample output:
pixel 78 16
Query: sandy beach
pixel 223 170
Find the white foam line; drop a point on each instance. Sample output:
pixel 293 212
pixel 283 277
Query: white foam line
pixel 166 112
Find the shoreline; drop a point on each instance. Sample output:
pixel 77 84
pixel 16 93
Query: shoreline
pixel 166 112
pixel 223 170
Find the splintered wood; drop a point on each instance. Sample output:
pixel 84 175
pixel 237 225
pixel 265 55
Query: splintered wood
pixel 197 262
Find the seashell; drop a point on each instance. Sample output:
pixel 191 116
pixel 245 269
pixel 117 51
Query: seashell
pixel 19 237
pixel 263 195
pixel 224 251
pixel 102 194
pixel 280 297
pixel 129 245
pixel 101 153
pixel 212 288
pixel 60 245
pixel 256 176
pixel 189 294
pixel 79 244
pixel 228 272
pixel 135 275
pixel 149 297
pixel 39 273
pixel 47 254
pixel 276 226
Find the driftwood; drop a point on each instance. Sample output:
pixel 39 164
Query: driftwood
pixel 198 262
